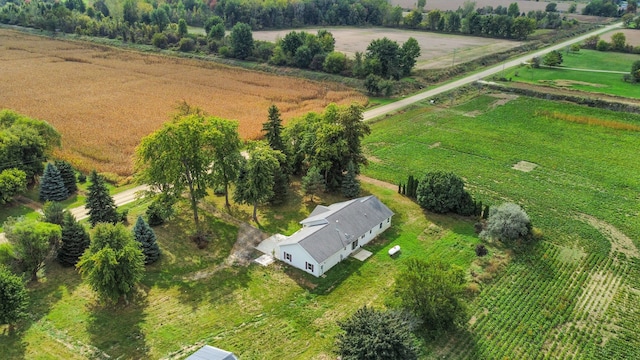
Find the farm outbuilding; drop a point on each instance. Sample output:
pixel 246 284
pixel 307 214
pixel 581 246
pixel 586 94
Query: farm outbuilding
pixel 331 233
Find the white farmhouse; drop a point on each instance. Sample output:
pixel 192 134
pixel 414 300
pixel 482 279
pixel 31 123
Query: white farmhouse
pixel 331 233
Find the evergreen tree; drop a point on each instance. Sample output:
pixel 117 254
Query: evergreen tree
pixel 75 240
pixel 272 129
pixel 68 176
pixel 99 202
pixel 313 182
pixel 143 234
pixel 53 212
pixel 51 185
pixel 350 183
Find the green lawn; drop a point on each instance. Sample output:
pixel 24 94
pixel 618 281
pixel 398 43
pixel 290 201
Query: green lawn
pixel 606 83
pixel 571 294
pixel 191 297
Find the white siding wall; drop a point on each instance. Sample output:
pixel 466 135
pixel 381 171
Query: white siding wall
pixel 299 257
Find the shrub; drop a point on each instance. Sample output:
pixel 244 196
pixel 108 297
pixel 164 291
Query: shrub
pixel 440 192
pixel 159 40
pixel 553 58
pixel 186 44
pixel 335 62
pixel 602 45
pixel 508 223
pixel 481 250
pixel 82 178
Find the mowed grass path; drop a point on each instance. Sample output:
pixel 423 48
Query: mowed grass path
pixel 573 293
pixel 606 83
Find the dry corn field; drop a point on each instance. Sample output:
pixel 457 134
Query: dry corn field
pixel 103 100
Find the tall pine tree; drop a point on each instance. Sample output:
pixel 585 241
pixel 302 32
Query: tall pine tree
pixel 68 176
pixel 52 186
pixel 99 202
pixel 350 183
pixel 75 240
pixel 273 134
pixel 143 234
pixel 272 129
pixel 313 182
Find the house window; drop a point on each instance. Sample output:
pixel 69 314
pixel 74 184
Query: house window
pixel 371 231
pixel 354 245
pixel 380 225
pixel 308 266
pixel 388 220
pixel 287 256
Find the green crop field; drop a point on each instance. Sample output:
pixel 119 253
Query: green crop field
pixel 597 82
pixel 575 293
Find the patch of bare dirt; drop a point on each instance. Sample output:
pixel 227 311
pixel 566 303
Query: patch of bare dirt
pixel 377 182
pixel 632 36
pixel 502 99
pixel 435 145
pixel 524 166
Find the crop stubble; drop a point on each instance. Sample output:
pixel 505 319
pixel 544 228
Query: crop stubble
pixel 103 100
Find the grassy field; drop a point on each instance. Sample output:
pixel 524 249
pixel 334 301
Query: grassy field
pixel 596 82
pixel 192 297
pixel 572 294
pixel 103 100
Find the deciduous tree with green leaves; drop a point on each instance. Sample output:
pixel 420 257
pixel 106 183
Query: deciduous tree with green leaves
pixel 255 185
pixel 241 41
pixel 33 241
pixel 113 264
pixel 226 153
pixel 433 291
pixel 12 182
pixel 53 212
pixel 186 154
pixel 13 297
pixel 371 334
pixel 99 203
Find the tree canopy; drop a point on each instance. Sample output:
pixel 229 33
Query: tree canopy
pixel 241 41
pixel 507 222
pixel 75 240
pixel 371 334
pixel 433 291
pixel 26 143
pixel 188 154
pixel 255 183
pixel 144 235
pixel 33 241
pixel 100 204
pixel 13 297
pixel 52 185
pixel 113 264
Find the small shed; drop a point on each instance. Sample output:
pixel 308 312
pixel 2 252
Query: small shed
pixel 211 353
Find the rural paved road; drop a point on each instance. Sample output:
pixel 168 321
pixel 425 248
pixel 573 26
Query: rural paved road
pixel 385 109
pixel 128 196
pixel 119 199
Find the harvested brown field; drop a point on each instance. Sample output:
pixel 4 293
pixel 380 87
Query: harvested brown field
pixel 632 36
pixel 103 100
pixel 524 6
pixel 437 50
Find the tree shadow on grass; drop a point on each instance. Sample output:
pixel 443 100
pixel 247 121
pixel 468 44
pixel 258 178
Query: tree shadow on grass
pixel 43 295
pixel 12 345
pixel 116 330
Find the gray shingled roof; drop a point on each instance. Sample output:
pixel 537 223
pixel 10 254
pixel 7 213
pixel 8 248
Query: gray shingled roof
pixel 329 229
pixel 211 353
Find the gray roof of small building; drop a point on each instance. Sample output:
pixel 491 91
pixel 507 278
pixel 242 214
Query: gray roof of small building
pixel 329 229
pixel 212 353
